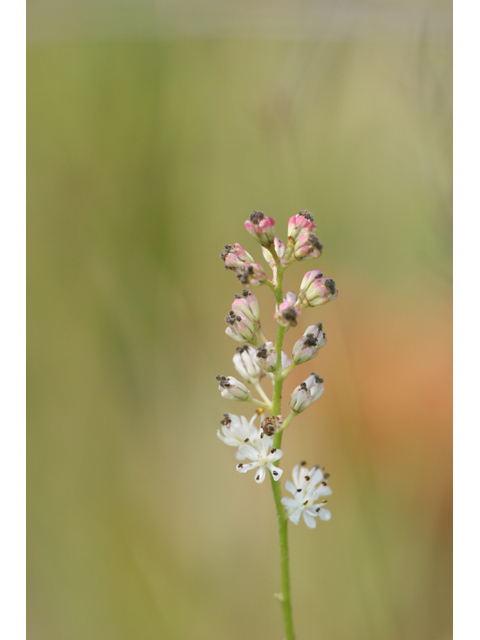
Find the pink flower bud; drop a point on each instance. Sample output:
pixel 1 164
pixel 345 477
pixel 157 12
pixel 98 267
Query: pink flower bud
pixel 232 389
pixel 320 291
pixel 247 304
pixel 307 347
pixel 308 278
pixel 240 328
pixel 260 227
pixel 301 223
pixel 287 313
pixel 306 393
pixel 280 251
pixel 246 364
pixel 251 274
pixel 307 246
pixel 235 256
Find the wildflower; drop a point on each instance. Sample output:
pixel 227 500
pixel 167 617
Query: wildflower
pixel 287 313
pixel 251 274
pixel 307 246
pixel 308 486
pixel 247 304
pixel 316 289
pixel 307 392
pixel 267 358
pixel 232 389
pixel 301 223
pixel 237 430
pixel 262 457
pixel 246 364
pixel 260 227
pixel 308 346
pixel 279 250
pixel 235 256
pixel 240 328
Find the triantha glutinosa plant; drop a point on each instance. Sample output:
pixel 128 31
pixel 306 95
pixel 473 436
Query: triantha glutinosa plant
pixel 258 358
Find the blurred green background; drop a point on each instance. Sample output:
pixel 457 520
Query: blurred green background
pixel 154 130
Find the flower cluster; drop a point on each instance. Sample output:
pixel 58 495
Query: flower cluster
pixel 258 358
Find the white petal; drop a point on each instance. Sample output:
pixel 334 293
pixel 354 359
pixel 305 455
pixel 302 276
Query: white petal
pixel 260 475
pixel 239 455
pixel 276 455
pixel 289 503
pixel 247 451
pixel 275 471
pixel 321 492
pixel 316 477
pixel 309 520
pixel 295 516
pixel 243 468
pixel 324 514
pixel 289 486
pixel 295 475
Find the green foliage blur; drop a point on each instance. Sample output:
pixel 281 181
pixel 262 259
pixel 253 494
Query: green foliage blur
pixel 145 156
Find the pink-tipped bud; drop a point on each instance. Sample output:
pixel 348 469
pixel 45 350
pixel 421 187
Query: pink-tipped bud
pixel 309 344
pixel 317 290
pixel 232 389
pixel 246 364
pixel 301 223
pixel 260 227
pixel 287 313
pixel 307 392
pixel 267 357
pixel 247 304
pixel 307 246
pixel 251 274
pixel 235 256
pixel 279 249
pixel 240 328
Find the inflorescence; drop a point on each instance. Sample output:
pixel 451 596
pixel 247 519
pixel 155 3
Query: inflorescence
pixel 258 358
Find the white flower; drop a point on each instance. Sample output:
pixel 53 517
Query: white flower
pixel 237 430
pixel 307 392
pixel 246 364
pixel 262 459
pixel 308 485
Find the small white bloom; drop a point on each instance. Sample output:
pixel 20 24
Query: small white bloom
pixel 246 364
pixel 262 457
pixel 232 389
pixel 307 392
pixel 237 431
pixel 308 486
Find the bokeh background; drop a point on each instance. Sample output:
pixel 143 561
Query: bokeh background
pixel 154 130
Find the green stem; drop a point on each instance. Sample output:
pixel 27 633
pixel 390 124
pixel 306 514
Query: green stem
pixel 277 492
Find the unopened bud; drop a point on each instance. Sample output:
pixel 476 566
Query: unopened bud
pixel 235 256
pixel 306 393
pixel 260 227
pixel 232 389
pixel 301 223
pixel 246 364
pixel 239 328
pixel 279 250
pixel 287 313
pixel 309 344
pixel 267 358
pixel 316 289
pixel 307 246
pixel 251 274
pixel 247 304
pixel 271 426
